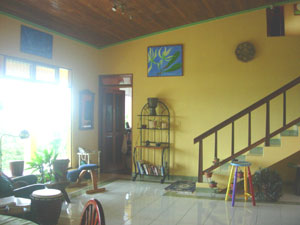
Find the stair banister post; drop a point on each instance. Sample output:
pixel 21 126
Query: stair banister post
pixel 200 162
pixel 216 144
pixel 267 143
pixel 232 139
pixel 284 108
pixel 249 128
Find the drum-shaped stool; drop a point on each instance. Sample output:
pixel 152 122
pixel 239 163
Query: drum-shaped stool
pixel 234 169
pixel 46 206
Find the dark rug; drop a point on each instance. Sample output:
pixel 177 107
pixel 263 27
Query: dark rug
pixel 184 186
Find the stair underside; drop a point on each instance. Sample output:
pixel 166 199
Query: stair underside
pixel 281 146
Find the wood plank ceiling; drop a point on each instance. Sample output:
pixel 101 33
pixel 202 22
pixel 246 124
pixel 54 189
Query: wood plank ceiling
pixel 94 21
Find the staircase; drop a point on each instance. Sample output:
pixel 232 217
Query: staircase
pixel 274 146
pixel 281 147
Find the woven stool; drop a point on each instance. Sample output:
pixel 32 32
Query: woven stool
pixel 235 165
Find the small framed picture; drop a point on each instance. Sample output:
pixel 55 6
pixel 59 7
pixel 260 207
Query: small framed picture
pixel 164 61
pixel 36 42
pixel 86 110
pixel 297 9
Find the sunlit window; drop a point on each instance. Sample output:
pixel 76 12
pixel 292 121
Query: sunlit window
pixel 43 73
pixel 16 68
pixel 42 108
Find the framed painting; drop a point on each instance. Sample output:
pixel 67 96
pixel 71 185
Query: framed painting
pixel 164 61
pixel 36 42
pixel 86 110
pixel 297 9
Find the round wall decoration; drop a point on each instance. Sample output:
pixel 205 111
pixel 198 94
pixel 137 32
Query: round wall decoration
pixel 245 51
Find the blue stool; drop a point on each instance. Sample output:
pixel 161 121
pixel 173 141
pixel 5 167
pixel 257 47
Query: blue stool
pixel 236 165
pixel 77 175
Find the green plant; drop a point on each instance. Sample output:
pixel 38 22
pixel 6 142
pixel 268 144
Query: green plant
pixel 268 185
pixel 43 162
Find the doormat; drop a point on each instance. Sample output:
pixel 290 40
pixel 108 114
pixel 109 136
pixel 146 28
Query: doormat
pixel 183 186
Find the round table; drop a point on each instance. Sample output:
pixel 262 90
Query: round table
pixel 10 220
pixel 16 206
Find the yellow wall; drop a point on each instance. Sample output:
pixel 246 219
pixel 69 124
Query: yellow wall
pixel 80 58
pixel 215 84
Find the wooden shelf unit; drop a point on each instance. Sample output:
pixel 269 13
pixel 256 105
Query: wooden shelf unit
pixel 154 142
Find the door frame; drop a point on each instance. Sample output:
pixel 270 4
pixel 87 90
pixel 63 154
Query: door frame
pixel 100 111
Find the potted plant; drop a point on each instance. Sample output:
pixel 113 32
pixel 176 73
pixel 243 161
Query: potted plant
pixel 43 163
pixel 268 185
pixel 213 184
pixel 216 161
pixel 240 174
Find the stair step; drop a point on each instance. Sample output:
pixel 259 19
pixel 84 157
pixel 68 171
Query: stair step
pixel 222 172
pixel 256 151
pixel 289 133
pixel 224 167
pixel 275 142
pixel 241 158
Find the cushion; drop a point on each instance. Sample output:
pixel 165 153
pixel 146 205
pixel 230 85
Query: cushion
pixel 88 167
pixel 73 175
pixel 6 186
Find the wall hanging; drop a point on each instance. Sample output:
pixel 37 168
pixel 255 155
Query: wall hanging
pixel 36 42
pixel 165 61
pixel 297 9
pixel 86 110
pixel 245 51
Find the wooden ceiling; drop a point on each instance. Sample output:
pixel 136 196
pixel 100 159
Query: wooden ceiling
pixel 94 22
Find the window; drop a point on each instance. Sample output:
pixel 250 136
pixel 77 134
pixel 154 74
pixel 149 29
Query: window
pixel 35 97
pixel 18 69
pixel 44 73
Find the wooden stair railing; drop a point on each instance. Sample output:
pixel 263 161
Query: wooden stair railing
pixel 265 101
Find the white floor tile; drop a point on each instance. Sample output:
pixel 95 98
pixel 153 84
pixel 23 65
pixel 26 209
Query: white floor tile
pixel 142 203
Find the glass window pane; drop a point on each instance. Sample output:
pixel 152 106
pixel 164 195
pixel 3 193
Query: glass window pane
pixel 44 73
pixel 117 80
pixel 109 113
pixel 64 77
pixel 16 68
pixel 1 64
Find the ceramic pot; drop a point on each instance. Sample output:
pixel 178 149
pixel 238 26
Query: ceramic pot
pixel 212 185
pixel 16 168
pixel 240 174
pixel 152 103
pixel 208 175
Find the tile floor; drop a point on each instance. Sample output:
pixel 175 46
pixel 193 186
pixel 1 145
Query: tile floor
pixel 140 203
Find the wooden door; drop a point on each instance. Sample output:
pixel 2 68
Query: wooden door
pixel 113 129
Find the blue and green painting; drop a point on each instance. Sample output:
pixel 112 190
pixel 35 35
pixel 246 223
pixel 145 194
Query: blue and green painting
pixel 165 61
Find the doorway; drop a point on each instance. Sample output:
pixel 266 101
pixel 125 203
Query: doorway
pixel 115 122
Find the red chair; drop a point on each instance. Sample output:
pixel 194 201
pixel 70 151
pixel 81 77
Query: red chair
pixel 93 213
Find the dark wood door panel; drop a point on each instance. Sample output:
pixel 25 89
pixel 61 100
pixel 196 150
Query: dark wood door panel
pixel 113 128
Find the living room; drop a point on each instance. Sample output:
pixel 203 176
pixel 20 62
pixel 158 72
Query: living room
pixel 214 86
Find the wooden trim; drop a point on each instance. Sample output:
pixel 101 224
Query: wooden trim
pixel 252 146
pixel 216 144
pixel 248 109
pixel 200 164
pixel 267 124
pixel 232 139
pixel 249 129
pixel 284 108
